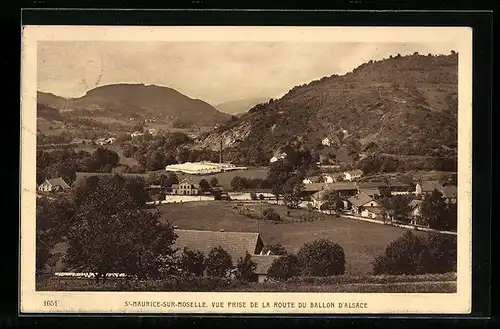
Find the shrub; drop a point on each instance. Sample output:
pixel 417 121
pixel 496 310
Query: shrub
pixel 405 255
pixel 271 215
pixel 218 262
pixel 193 262
pixel 441 256
pixel 321 258
pixel 284 268
pixel 276 249
pixel 245 269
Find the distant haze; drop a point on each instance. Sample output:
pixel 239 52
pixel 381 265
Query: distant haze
pixel 212 71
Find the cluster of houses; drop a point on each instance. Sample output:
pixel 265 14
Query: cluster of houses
pixel 105 141
pixel 151 131
pixel 332 178
pixel 361 198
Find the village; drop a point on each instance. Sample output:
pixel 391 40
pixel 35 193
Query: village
pixel 343 194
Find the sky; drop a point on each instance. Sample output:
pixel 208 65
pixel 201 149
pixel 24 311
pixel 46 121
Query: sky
pixel 215 72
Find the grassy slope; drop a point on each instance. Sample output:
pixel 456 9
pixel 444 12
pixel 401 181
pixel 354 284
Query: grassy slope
pixel 362 241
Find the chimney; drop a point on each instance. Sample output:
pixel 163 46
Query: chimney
pixel 222 230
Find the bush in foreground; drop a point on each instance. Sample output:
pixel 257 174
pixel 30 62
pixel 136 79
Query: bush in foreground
pixel 245 269
pixel 411 254
pixel 321 258
pixel 284 268
pixel 193 262
pixel 218 262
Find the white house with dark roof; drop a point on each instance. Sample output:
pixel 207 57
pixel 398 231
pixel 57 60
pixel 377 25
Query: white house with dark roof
pixel 364 205
pixel 353 174
pixel 53 185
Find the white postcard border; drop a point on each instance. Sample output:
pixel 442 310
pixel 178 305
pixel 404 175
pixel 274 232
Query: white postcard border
pixel 32 301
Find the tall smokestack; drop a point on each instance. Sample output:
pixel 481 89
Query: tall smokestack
pixel 220 155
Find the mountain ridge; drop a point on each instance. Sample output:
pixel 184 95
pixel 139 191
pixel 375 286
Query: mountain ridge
pixel 138 99
pixel 398 105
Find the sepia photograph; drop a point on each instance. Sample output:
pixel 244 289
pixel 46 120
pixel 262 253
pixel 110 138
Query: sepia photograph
pixel 246 169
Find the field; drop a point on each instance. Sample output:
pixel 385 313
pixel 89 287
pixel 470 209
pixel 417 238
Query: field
pixel 362 241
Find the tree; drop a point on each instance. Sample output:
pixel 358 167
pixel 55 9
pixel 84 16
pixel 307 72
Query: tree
pixel 218 262
pixel 171 179
pixel 433 209
pixel 276 249
pixel 110 233
pixel 271 215
pixel 245 268
pixel 214 182
pixel 333 201
pixel 399 204
pixel 284 268
pixel 193 262
pixel 238 183
pixel 441 255
pixel 321 258
pixel 405 255
pixel 253 196
pixel 292 192
pixel 52 221
pixel 204 184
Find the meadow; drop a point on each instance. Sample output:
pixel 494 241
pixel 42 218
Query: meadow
pixel 362 241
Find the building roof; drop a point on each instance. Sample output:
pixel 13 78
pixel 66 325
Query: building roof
pixel 430 185
pixel 263 263
pixel 187 180
pixel 235 243
pixel 370 191
pixel 370 185
pixel 415 203
pixel 449 191
pixel 360 199
pixel 336 186
pixel 376 210
pixel 59 181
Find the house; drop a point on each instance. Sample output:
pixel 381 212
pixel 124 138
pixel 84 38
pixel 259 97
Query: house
pixel 353 174
pixel 416 213
pixel 376 212
pixel 186 187
pixel 111 140
pixel 278 157
pixel 371 192
pixel 263 263
pixel 360 202
pixel 449 193
pixel 326 141
pixel 136 134
pixel 333 178
pixel 152 131
pixel 398 188
pixel 54 184
pixel 236 244
pixel 101 141
pixel 344 189
pixel 427 187
pixel 313 179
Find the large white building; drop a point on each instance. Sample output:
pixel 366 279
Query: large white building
pixel 202 168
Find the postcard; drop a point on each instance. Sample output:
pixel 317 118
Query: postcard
pixel 245 169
